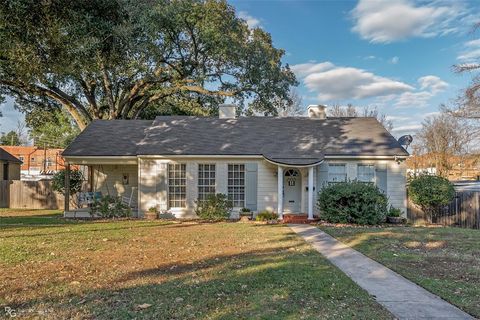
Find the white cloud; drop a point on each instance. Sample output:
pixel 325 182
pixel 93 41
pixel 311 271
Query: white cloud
pixel 394 60
pixel 337 83
pixel 413 99
pixel 432 83
pixel 304 69
pixel 429 85
pixel 408 127
pixel 470 52
pixel 397 118
pixel 252 22
pixel 382 21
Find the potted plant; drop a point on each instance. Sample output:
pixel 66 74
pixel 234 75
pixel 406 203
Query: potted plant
pixel 246 214
pixel 394 216
pixel 151 214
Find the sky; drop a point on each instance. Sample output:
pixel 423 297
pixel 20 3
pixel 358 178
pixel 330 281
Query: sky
pixel 395 55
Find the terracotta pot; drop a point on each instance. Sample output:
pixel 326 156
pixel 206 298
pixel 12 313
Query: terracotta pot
pixel 150 215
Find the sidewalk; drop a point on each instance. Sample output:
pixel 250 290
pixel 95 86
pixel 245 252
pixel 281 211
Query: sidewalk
pixel 403 298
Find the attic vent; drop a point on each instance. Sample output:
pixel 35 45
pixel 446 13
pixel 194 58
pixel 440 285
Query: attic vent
pixel 226 111
pixel 317 111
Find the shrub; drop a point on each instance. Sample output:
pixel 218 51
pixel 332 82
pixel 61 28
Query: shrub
pixel 394 212
pixel 76 181
pixel 110 207
pixel 152 209
pixel 431 193
pixel 215 207
pixel 266 216
pixel 352 202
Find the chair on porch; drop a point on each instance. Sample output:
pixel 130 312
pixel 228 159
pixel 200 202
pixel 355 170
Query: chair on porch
pixel 131 201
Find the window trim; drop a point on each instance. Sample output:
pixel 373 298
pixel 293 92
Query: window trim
pixel 209 178
pixel 233 186
pixel 374 179
pixel 179 186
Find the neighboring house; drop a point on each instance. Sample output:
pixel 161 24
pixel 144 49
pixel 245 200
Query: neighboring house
pixel 9 166
pixel 262 163
pixel 36 159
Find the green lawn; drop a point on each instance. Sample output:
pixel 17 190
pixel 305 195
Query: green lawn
pixel 445 261
pixel 53 268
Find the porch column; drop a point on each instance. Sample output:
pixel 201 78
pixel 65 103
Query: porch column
pixel 310 193
pixel 67 187
pixel 280 192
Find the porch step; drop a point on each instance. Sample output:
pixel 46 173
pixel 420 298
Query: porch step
pixel 296 218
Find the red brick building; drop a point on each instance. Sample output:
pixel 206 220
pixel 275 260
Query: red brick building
pixel 36 159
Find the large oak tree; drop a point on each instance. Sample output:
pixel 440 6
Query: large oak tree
pixel 109 59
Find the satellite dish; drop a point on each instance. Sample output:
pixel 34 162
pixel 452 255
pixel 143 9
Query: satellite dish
pixel 405 140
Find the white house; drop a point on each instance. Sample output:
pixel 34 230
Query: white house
pixel 263 163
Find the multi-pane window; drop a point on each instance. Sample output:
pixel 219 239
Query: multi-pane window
pixel 236 184
pixel 337 172
pixel 206 181
pixel 177 185
pixel 366 173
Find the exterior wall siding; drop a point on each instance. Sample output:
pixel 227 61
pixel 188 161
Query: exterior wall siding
pixel 396 179
pixel 13 170
pixel 153 176
pixel 396 185
pixel 151 193
pixel 108 179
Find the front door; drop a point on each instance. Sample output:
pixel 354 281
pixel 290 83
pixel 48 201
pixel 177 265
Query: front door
pixel 292 191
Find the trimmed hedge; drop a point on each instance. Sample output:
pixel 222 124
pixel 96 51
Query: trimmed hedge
pixel 352 202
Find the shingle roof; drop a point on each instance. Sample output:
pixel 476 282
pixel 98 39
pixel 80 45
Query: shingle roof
pixel 5 156
pixel 287 140
pixel 290 140
pixel 109 138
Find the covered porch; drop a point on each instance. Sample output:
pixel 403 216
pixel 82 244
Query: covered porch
pixel 296 188
pixel 104 176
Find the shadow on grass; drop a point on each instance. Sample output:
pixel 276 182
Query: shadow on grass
pixel 271 284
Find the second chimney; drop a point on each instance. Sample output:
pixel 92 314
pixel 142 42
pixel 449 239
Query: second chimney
pixel 317 111
pixel 227 111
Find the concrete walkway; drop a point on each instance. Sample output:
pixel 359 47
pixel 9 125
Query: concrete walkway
pixel 403 298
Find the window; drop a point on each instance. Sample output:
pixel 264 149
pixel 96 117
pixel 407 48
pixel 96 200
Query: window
pixel 49 162
pixel 366 173
pixel 21 158
pixel 177 185
pixel 206 181
pixel 236 184
pixel 337 172
pixel 291 175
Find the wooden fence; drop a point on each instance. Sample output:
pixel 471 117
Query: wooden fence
pixel 463 211
pixel 29 195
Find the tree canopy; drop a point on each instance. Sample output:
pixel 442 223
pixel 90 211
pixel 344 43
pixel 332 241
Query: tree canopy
pixel 108 59
pixel 51 128
pixel 443 136
pixel 10 138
